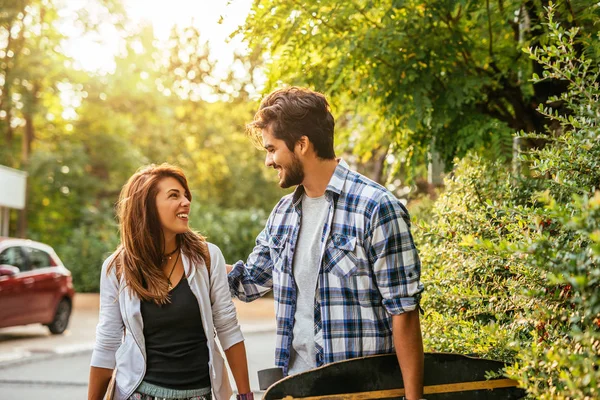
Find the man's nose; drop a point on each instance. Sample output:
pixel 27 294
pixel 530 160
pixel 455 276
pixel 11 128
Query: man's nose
pixel 268 160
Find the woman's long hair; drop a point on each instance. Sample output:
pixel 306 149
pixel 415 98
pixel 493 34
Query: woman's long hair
pixel 138 258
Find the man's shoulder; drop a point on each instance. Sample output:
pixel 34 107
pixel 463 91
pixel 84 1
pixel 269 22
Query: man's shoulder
pixel 358 184
pixel 370 197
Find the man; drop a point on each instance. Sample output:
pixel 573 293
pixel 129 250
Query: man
pixel 337 252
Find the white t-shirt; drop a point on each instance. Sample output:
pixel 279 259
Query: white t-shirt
pixel 307 257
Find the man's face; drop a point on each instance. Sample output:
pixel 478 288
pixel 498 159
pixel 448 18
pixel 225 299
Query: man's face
pixel 289 167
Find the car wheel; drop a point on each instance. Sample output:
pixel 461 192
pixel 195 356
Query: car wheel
pixel 61 318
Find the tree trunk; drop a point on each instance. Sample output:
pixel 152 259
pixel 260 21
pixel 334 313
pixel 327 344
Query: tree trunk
pixel 378 167
pixel 28 137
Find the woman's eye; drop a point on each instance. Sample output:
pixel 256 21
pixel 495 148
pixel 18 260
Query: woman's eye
pixel 173 195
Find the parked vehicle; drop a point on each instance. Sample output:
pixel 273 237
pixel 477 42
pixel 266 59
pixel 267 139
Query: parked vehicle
pixel 35 286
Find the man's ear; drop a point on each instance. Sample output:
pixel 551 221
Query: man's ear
pixel 303 145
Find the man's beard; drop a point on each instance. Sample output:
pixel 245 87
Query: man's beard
pixel 293 174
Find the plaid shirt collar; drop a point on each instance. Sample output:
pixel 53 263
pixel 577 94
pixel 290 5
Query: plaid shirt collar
pixel 335 185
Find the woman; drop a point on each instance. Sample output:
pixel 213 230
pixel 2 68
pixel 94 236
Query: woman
pixel 160 305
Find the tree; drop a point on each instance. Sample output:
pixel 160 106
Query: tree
pixel 450 70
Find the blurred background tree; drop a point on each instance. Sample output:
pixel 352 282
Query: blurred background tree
pixel 80 134
pixel 425 74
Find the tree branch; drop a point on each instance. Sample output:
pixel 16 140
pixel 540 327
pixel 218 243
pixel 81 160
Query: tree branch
pixel 572 12
pixel 501 6
pixel 489 18
pixel 5 96
pixel 364 14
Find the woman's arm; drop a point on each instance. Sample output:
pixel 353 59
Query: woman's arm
pixel 99 379
pixel 236 357
pixel 109 334
pixel 226 323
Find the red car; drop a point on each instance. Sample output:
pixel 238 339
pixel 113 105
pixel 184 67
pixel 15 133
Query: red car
pixel 35 286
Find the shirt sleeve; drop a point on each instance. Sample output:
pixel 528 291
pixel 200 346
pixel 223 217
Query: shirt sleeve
pixel 393 255
pixel 249 281
pixel 109 331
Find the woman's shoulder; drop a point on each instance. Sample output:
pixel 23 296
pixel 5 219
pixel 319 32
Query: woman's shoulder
pixel 109 260
pixel 216 255
pixel 213 249
pixel 108 263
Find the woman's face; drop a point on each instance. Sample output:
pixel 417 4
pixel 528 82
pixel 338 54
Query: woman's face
pixel 173 206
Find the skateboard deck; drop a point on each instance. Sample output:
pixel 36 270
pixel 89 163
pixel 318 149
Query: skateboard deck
pixel 447 377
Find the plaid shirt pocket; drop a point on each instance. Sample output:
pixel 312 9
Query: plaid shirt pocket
pixel 340 257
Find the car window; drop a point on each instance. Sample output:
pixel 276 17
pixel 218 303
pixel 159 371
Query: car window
pixel 13 256
pixel 37 258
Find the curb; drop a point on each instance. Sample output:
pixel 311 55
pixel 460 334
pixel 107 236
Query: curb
pixel 28 357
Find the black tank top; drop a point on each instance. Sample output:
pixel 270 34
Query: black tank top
pixel 176 346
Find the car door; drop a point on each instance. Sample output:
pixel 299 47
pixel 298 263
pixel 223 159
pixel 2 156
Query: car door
pixel 42 284
pixel 14 309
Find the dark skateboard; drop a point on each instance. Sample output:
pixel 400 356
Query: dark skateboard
pixel 447 377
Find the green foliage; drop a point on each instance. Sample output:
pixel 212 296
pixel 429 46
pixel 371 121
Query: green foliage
pixel 86 247
pixel 234 231
pixel 449 70
pixel 83 134
pixel 513 263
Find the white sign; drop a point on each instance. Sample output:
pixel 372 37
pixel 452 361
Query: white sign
pixel 12 188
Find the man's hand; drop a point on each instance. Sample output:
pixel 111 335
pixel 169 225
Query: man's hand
pixel 409 350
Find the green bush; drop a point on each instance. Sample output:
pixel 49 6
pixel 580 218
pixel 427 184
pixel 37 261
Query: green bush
pixel 84 254
pixel 512 264
pixel 234 231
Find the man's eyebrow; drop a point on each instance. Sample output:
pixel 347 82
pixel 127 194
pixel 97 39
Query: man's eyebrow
pixel 268 146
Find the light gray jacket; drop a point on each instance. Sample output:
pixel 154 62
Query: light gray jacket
pixel 119 310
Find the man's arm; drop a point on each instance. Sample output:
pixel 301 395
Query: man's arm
pixel 248 281
pixel 397 269
pixel 409 350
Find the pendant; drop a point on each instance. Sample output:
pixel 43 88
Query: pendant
pixel 170 287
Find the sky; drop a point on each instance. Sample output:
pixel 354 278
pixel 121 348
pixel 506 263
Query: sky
pixel 95 53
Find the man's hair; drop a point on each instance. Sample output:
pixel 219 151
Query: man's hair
pixel 138 258
pixel 294 112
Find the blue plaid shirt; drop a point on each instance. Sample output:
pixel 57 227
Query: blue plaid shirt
pixel 370 269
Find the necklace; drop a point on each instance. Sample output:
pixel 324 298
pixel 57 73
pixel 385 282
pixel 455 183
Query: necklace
pixel 171 273
pixel 167 257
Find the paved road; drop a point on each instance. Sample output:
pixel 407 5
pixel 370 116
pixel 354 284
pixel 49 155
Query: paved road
pixel 37 365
